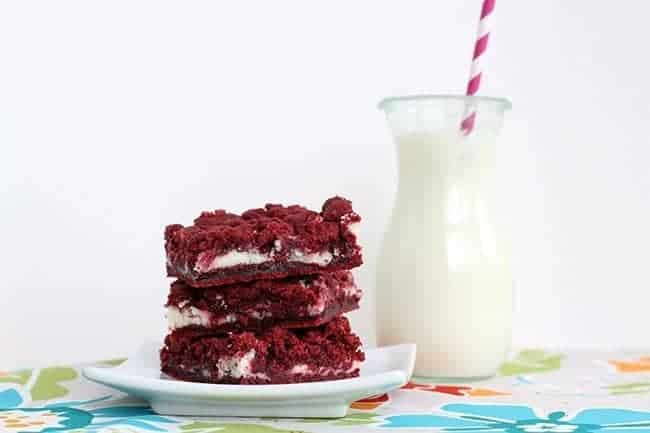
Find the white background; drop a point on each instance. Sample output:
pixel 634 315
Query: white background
pixel 119 117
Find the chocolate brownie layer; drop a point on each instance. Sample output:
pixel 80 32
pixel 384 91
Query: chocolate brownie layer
pixel 267 243
pixel 276 355
pixel 293 302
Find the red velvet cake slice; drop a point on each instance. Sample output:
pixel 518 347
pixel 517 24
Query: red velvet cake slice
pixel 267 243
pixel 293 302
pixel 276 355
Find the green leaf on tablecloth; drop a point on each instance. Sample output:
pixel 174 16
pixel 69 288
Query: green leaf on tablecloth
pixel 47 385
pixel 112 362
pixel 357 418
pixel 629 388
pixel 215 427
pixel 532 361
pixel 20 377
pixel 199 426
pixel 353 418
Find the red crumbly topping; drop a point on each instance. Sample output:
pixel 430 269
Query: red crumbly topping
pixel 327 352
pixel 275 230
pixel 291 302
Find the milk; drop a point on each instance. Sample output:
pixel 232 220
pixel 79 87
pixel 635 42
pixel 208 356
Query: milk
pixel 444 281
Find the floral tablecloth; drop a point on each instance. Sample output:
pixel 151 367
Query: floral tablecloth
pixel 536 391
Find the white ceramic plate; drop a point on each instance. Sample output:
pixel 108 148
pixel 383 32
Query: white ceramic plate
pixel 385 368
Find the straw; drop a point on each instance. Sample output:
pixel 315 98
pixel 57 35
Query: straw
pixel 480 46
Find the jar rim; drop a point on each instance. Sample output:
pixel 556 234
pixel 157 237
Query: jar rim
pixel 389 103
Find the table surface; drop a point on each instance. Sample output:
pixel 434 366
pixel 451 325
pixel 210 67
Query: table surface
pixel 537 391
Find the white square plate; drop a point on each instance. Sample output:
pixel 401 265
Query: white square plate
pixel 385 368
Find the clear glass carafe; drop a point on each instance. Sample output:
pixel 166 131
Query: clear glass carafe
pixel 444 280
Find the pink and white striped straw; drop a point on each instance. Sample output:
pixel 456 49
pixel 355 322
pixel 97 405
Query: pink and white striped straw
pixel 482 36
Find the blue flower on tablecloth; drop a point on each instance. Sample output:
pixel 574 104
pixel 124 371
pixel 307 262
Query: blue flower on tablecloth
pixel 469 418
pixel 17 417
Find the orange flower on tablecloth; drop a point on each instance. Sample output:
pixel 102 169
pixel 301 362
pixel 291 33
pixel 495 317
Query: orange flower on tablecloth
pixel 458 390
pixel 485 392
pixel 371 402
pixel 3 373
pixel 420 386
pixel 635 366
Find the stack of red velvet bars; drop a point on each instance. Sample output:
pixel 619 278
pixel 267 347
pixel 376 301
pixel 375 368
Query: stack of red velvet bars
pixel 259 297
